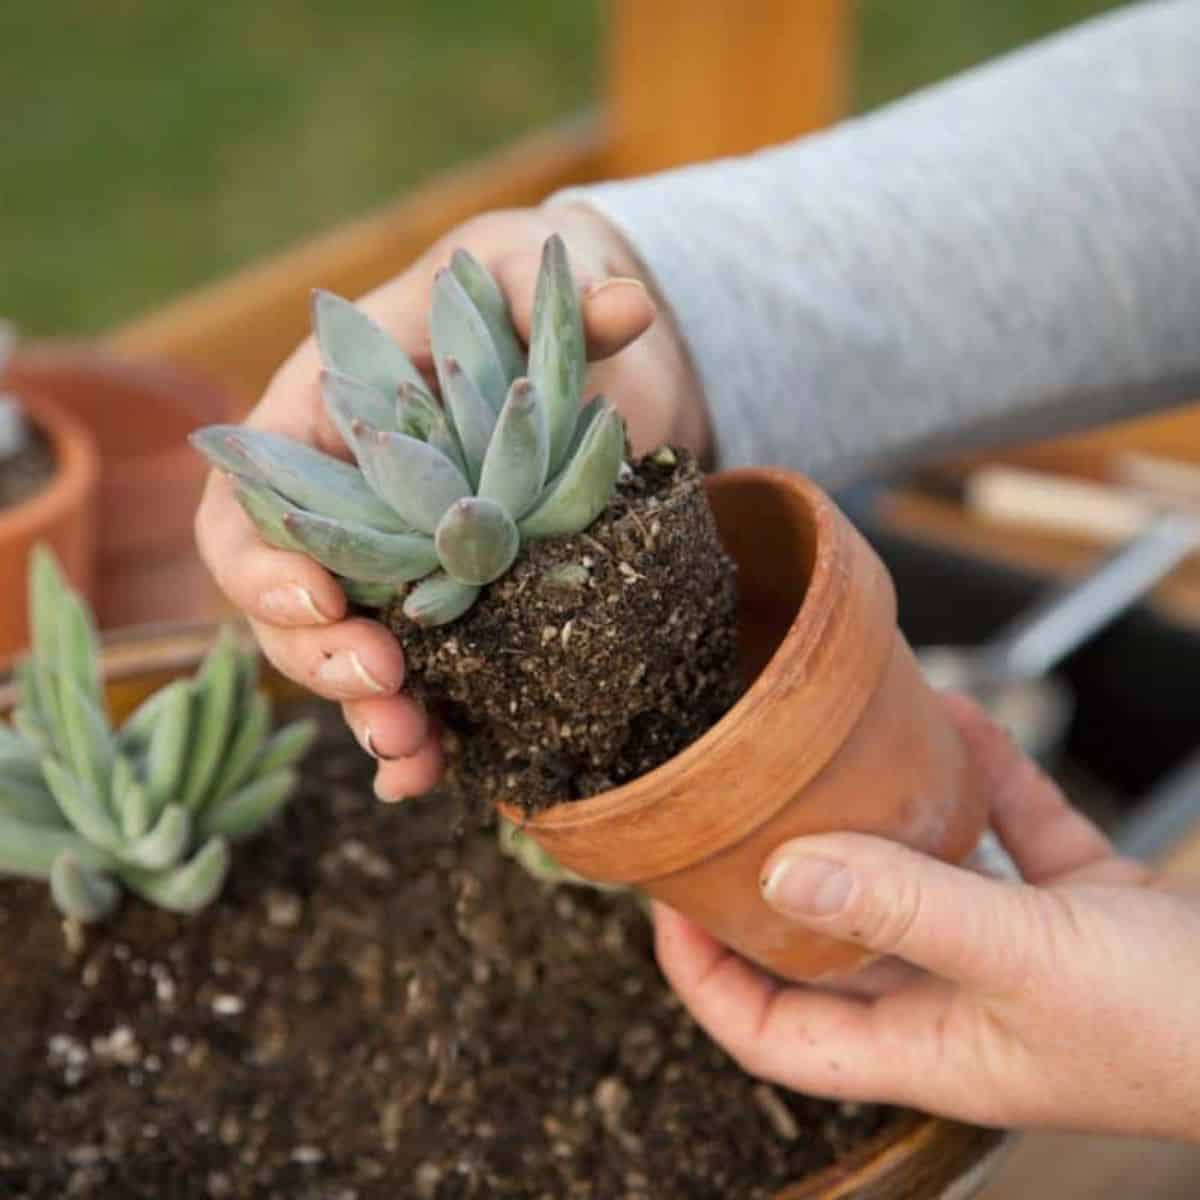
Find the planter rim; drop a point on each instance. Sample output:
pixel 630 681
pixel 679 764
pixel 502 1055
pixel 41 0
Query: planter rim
pixel 76 470
pixel 621 814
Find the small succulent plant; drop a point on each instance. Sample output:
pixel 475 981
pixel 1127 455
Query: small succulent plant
pixel 152 806
pixel 443 494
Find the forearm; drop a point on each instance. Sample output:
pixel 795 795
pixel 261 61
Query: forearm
pixel 1006 256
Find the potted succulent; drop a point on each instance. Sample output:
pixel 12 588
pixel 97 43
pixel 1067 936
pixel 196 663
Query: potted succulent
pixel 572 617
pixel 48 470
pixel 139 414
pixel 374 1006
pixel 152 806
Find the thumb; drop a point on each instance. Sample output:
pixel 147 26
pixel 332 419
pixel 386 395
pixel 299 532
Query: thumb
pixel 616 309
pixel 976 931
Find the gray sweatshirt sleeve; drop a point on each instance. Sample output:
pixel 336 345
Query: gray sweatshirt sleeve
pixel 1010 254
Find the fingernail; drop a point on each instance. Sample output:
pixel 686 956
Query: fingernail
pixel 367 739
pixel 344 671
pixel 807 887
pixel 386 797
pixel 611 284
pixel 293 603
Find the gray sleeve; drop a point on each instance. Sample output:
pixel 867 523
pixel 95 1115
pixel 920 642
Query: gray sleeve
pixel 1008 255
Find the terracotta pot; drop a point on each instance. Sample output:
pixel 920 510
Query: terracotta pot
pixel 837 730
pixel 140 413
pixel 917 1157
pixel 61 515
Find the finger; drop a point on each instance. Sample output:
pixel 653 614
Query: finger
pixel 277 587
pixel 1046 836
pixel 348 660
pixel 387 727
pixel 960 925
pixel 803 1038
pixel 415 775
pixel 616 310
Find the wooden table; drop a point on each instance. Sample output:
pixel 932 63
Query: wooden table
pixel 1075 1167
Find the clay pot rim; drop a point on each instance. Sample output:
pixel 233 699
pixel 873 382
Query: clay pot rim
pixel 816 612
pixel 76 469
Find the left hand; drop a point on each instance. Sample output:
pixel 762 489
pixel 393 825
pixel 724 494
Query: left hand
pixel 1071 1000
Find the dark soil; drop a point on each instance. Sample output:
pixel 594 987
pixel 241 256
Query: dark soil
pixel 25 473
pixel 596 658
pixel 371 1011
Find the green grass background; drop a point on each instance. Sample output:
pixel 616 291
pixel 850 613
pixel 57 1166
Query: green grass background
pixel 150 145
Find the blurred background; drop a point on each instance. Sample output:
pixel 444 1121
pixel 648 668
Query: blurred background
pixel 154 145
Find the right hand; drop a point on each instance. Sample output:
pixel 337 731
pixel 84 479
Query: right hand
pixel 295 608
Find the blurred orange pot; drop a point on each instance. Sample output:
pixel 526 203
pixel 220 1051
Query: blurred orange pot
pixel 61 515
pixel 837 731
pixel 139 413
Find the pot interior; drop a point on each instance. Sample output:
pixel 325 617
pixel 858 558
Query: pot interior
pixel 771 533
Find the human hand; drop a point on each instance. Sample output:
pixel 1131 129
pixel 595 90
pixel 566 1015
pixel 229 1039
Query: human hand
pixel 1071 1000
pixel 296 608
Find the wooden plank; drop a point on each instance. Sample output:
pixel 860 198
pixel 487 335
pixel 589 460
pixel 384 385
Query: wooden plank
pixel 240 329
pixel 698 79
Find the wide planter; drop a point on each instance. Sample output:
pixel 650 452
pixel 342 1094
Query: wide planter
pixel 165 1048
pixel 836 731
pixel 139 412
pixel 61 515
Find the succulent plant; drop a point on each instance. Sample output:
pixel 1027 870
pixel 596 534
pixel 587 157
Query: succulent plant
pixel 444 493
pixel 150 807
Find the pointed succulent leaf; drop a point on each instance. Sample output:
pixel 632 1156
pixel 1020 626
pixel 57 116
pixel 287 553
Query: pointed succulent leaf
pixel 514 469
pixel 215 685
pixel 457 330
pixel 86 738
pixel 474 418
pixel 77 654
pixel 416 479
pixel 368 595
pixel 476 541
pixel 81 804
pixel 350 342
pixel 187 888
pixel 80 892
pixel 11 745
pixel 131 804
pixel 253 723
pixel 439 600
pixel 28 800
pixel 357 552
pixel 485 294
pixel 247 810
pixel 584 487
pixel 416 411
pixel 140 724
pixel 444 439
pixel 165 844
pixel 266 510
pixel 587 414
pixel 349 401
pixel 312 480
pixel 557 351
pixel 286 747
pixel 29 725
pixel 29 850
pixel 167 748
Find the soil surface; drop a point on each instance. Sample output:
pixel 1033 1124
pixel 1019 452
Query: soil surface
pixel 596 658
pixel 372 1010
pixel 25 473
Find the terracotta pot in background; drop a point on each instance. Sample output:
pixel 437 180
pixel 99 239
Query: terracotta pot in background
pixel 836 732
pixel 139 413
pixel 62 515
